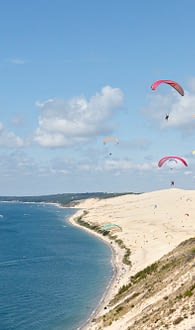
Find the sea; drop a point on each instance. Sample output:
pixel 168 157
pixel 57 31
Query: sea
pixel 52 274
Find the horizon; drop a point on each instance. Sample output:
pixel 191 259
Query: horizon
pixel 111 193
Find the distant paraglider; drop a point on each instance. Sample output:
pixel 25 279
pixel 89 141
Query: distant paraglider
pixel 110 139
pixel 172 83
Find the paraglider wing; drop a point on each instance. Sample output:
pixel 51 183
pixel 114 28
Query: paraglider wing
pixel 169 82
pixel 167 158
pixel 108 139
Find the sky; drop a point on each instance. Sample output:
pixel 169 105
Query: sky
pixel 76 72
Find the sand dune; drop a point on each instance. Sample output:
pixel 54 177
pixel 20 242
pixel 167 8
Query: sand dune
pixel 152 225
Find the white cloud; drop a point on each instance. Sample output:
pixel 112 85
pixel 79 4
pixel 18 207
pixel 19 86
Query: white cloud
pixel 63 123
pixel 127 165
pixel 181 110
pixel 16 161
pixel 191 84
pixel 79 167
pixel 9 139
pixel 17 61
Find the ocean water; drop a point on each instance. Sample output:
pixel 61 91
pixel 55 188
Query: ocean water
pixel 52 274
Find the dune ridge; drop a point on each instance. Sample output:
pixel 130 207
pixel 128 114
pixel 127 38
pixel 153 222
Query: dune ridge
pixel 153 225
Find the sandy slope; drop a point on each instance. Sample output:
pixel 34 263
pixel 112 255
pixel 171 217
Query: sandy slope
pixel 152 224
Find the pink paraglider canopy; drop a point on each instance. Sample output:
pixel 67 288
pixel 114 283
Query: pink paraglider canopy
pixel 166 158
pixel 169 82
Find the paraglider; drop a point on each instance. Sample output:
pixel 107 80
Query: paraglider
pixel 173 159
pixel 172 83
pixel 110 139
pixel 113 139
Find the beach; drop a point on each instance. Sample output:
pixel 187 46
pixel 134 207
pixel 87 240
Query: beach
pixel 153 224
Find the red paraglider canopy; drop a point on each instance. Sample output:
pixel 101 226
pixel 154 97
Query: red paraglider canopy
pixel 169 82
pixel 166 158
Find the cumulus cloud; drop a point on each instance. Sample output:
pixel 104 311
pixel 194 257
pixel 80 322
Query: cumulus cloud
pixel 9 139
pixel 181 109
pixel 70 166
pixel 63 123
pixel 17 61
pixel 21 161
pixel 127 165
pixel 191 84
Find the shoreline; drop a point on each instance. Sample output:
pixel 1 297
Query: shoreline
pixel 118 272
pixel 153 224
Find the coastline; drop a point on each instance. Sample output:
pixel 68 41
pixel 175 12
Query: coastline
pixel 117 264
pixel 152 224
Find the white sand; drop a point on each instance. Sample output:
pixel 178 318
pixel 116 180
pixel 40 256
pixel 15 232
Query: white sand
pixel 152 225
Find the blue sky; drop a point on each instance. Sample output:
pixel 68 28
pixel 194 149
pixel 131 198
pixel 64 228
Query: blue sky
pixel 74 72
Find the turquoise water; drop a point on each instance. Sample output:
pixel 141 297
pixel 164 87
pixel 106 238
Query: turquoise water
pixel 52 274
